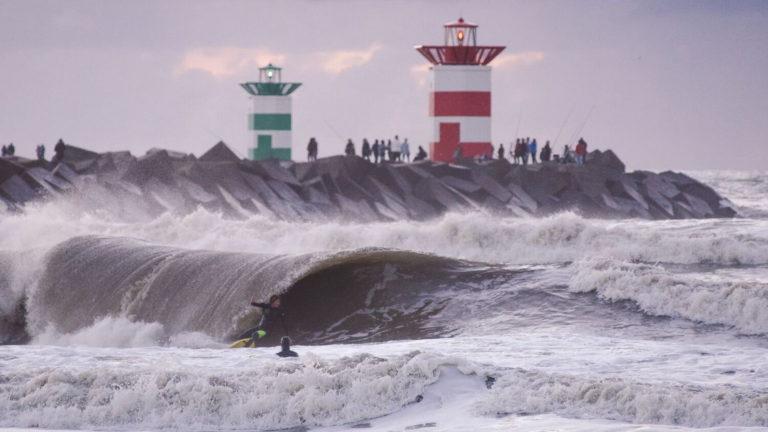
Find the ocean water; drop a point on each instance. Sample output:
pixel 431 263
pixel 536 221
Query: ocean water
pixel 470 322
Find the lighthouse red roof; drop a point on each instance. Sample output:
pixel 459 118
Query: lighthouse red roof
pixel 460 47
pixel 460 23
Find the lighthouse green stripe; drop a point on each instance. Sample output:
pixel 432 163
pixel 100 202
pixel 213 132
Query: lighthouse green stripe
pixel 279 122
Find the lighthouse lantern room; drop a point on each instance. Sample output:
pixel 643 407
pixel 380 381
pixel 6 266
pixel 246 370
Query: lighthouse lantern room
pixel 270 119
pixel 460 97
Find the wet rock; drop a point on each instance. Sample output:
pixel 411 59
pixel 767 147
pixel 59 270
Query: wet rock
pixel 436 193
pixel 606 159
pixel 459 184
pixel 523 199
pixel 43 179
pixel 660 185
pixel 73 154
pixel 15 189
pixel 661 202
pixel 158 165
pixel 630 187
pixel 491 186
pixel 9 168
pixel 219 153
pixel 699 207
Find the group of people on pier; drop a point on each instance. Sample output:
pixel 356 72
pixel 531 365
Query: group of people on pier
pixel 390 150
pixel 395 150
pixel 525 150
pixel 9 151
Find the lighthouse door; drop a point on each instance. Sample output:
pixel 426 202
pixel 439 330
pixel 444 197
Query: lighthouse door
pixel 449 140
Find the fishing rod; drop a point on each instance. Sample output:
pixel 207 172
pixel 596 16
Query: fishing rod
pixel 338 135
pixel 586 119
pixel 568 117
pixel 212 133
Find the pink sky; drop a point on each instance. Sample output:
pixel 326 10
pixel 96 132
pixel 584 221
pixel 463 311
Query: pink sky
pixel 677 84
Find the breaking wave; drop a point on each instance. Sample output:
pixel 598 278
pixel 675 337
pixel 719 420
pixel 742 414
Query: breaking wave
pixel 369 294
pixel 93 285
pixel 657 291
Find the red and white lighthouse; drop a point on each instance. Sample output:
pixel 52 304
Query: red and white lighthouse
pixel 460 98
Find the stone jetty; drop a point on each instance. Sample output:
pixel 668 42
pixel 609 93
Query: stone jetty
pixel 350 188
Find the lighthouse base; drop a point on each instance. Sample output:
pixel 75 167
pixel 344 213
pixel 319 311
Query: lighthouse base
pixel 450 135
pixel 274 145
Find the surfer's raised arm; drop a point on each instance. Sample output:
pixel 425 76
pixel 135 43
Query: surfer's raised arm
pixel 260 305
pixel 274 302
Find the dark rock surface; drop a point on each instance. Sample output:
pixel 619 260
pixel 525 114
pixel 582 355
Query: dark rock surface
pixel 350 188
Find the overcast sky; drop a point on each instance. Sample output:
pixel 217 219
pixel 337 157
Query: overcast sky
pixel 674 84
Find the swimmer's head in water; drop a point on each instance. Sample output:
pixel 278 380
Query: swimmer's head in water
pixel 285 343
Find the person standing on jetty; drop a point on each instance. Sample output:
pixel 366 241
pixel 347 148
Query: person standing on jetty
pixel 382 150
pixel 567 155
pixel 366 150
pixel 349 150
pixel 58 151
pixel 519 151
pixel 458 154
pixel 581 152
pixel 532 148
pixel 546 152
pixel 524 150
pixel 375 150
pixel 501 151
pixel 394 150
pixel 312 150
pixel 40 151
pixel 405 151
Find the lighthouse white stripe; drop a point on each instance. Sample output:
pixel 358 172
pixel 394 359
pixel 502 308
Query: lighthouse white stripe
pixel 271 104
pixel 471 129
pixel 461 78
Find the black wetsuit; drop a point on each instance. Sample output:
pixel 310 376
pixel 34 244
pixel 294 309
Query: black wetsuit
pixel 268 322
pixel 287 353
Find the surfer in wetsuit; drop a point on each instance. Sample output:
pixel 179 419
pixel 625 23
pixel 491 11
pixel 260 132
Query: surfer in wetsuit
pixel 270 312
pixel 285 344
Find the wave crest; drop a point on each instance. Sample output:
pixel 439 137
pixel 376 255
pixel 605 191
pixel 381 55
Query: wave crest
pixel 741 304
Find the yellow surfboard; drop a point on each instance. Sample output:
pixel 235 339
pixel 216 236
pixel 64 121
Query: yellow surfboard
pixel 246 343
pixel 242 343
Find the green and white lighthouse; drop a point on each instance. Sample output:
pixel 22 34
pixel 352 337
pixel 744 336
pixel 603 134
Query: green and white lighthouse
pixel 270 120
